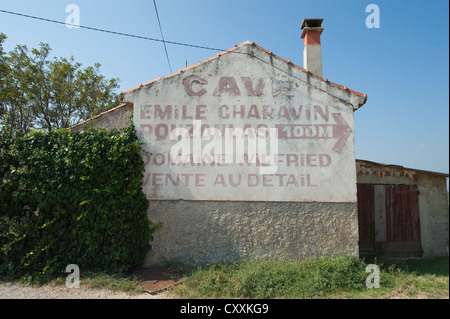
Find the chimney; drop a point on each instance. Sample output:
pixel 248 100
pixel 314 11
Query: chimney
pixel 312 51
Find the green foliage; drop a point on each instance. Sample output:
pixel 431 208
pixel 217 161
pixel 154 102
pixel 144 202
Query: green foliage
pixel 341 277
pixel 114 282
pixel 41 92
pixel 72 198
pixel 276 278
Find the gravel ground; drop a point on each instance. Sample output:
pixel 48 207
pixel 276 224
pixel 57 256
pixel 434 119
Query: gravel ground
pixel 18 291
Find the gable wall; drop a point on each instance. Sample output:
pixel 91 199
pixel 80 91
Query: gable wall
pixel 301 204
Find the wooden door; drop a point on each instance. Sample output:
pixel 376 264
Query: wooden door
pixel 402 221
pixel 365 195
pixel 388 219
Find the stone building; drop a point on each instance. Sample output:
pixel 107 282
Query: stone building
pixel 248 155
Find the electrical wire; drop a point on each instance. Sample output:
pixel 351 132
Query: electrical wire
pixel 111 32
pixel 162 36
pixel 153 39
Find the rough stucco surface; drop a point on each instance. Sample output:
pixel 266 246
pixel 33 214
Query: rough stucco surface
pixel 206 232
pixel 116 118
pixel 433 209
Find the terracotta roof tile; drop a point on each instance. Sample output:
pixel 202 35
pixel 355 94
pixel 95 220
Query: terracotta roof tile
pixel 184 69
pixel 262 49
pixel 315 75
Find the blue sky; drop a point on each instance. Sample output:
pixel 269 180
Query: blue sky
pixel 403 66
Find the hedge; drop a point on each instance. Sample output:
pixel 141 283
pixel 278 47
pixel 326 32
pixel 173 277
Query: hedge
pixel 72 198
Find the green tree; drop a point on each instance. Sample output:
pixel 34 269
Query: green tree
pixel 3 72
pixel 17 112
pixel 40 92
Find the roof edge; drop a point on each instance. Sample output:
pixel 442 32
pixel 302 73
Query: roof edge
pixel 130 105
pixel 186 68
pixel 402 167
pixel 345 88
pixel 315 75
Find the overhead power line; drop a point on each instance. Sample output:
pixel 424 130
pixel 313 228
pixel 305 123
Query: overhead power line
pixel 112 32
pixel 162 36
pixel 152 39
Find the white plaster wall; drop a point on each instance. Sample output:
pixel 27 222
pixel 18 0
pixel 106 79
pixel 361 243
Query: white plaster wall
pixel 315 152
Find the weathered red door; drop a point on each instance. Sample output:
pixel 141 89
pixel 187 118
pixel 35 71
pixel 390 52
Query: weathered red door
pixel 388 219
pixel 366 225
pixel 402 221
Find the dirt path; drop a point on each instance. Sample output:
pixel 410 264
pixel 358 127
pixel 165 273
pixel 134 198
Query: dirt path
pixel 18 291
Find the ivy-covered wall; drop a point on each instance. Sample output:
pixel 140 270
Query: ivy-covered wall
pixel 72 198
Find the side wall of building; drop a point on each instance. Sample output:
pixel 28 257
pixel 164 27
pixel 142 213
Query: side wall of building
pixel 301 203
pixel 432 200
pixel 434 219
pixel 212 231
